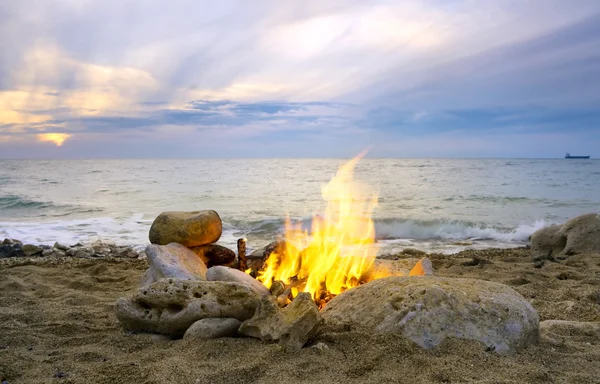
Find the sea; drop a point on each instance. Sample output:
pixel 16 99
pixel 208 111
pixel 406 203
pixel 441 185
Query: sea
pixel 435 205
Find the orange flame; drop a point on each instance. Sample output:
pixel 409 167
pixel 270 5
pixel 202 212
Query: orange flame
pixel 341 246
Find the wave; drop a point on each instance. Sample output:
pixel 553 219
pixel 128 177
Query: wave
pixel 446 229
pixel 18 206
pixel 400 228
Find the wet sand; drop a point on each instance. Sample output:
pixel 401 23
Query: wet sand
pixel 57 319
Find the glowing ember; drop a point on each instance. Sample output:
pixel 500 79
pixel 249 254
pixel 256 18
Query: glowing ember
pixel 340 248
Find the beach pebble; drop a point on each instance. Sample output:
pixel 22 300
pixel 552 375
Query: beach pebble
pixel 578 235
pixel 60 246
pixel 186 228
pixel 171 306
pixel 428 309
pixel 291 326
pixel 213 328
pixel 173 261
pixel 32 250
pixel 220 273
pixel 8 241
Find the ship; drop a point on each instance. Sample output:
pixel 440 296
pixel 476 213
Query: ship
pixel 568 156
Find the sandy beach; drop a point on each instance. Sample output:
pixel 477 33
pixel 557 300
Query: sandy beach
pixel 57 324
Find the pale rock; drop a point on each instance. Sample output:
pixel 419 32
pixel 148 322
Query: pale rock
pixel 428 309
pixel 220 273
pixel 291 326
pixel 186 228
pixel 578 235
pixel 171 306
pixel 212 328
pixel 422 268
pixel 84 252
pixel 60 246
pixel 173 261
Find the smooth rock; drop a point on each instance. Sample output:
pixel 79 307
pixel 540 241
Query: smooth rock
pixel 578 235
pixel 11 250
pixel 173 261
pixel 220 273
pixel 214 254
pixel 171 306
pixel 32 250
pixel 61 246
pixel 428 309
pixel 291 326
pixel 213 328
pixel 186 228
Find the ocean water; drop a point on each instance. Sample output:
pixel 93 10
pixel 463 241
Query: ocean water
pixel 442 205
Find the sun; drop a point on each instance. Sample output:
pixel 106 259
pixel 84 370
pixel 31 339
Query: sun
pixel 56 138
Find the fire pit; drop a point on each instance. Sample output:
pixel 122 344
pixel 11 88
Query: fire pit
pixel 285 291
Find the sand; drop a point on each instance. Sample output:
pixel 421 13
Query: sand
pixel 57 319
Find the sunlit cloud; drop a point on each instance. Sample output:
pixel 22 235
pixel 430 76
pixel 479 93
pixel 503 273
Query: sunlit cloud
pixel 56 138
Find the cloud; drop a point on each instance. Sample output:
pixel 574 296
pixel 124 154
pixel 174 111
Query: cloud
pixel 299 75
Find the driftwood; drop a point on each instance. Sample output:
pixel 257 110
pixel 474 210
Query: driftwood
pixel 242 261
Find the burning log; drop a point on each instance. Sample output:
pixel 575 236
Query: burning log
pixel 242 261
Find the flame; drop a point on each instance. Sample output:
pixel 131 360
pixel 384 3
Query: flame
pixel 56 138
pixel 340 248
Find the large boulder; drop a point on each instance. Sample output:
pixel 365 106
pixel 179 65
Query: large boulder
pixel 186 228
pixel 171 306
pixel 172 261
pixel 291 326
pixel 214 254
pixel 220 273
pixel 428 309
pixel 578 235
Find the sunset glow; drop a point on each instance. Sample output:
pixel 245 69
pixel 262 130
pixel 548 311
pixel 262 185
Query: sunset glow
pixel 56 138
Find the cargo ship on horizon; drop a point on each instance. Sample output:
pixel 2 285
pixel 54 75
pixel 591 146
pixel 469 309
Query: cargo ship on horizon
pixel 568 156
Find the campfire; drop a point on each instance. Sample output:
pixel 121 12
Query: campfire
pixel 336 255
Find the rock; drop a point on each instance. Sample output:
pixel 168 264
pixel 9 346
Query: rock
pixel 60 246
pixel 186 228
pixel 8 241
pixel 220 273
pixel 213 328
pixel 291 326
pixel 173 261
pixel 428 309
pixel 124 252
pixel 578 235
pixel 48 252
pixel 171 306
pixel 214 254
pixel 11 250
pixel 83 252
pixel 32 250
pixel 422 268
pixel 414 252
pixel 384 268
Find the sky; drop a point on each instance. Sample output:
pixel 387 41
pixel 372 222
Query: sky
pixel 299 78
